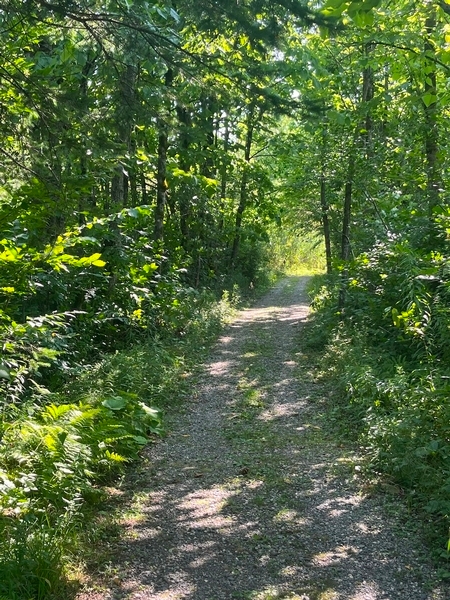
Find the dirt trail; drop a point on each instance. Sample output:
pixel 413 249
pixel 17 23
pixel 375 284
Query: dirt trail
pixel 247 499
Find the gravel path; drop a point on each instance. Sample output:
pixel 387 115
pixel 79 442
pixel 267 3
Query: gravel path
pixel 247 499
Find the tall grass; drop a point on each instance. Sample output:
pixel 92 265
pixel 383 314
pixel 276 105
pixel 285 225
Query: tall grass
pixel 298 253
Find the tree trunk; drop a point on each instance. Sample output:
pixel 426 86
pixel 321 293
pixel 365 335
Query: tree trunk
pixel 324 204
pixel 367 96
pixel 224 173
pixel 184 117
pixel 243 194
pixel 161 183
pixel 125 120
pixel 345 243
pixel 430 107
pixel 208 104
pixel 326 225
pixel 161 174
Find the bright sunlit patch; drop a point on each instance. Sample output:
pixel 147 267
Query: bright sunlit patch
pixel 367 590
pixel 368 529
pixel 203 508
pixel 340 553
pixel 290 516
pixel 340 503
pixel 220 367
pixel 277 411
pixel 329 594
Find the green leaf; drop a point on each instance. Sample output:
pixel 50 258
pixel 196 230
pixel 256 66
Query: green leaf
pixel 4 373
pixel 114 457
pixel 115 403
pixel 140 439
pixel 363 19
pixel 429 99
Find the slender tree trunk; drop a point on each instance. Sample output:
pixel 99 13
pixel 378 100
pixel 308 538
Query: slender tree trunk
pixel 125 120
pixel 208 104
pixel 324 204
pixel 85 202
pixel 161 183
pixel 224 174
pixel 144 195
pixel 161 174
pixel 243 194
pixel 133 178
pixel 184 203
pixel 204 224
pixel 345 243
pixel 430 107
pixel 345 240
pixel 326 225
pixel 367 96
pixel 118 187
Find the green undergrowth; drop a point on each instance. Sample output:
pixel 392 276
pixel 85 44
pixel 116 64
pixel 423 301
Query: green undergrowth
pixel 164 370
pixel 57 455
pixel 389 388
pixel 298 253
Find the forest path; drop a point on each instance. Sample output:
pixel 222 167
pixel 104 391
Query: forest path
pixel 247 499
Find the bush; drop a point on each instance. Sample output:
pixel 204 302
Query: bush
pixel 387 352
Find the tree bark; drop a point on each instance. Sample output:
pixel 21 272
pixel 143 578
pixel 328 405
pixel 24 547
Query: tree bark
pixel 243 194
pixel 324 204
pixel 345 243
pixel 224 173
pixel 161 174
pixel 367 96
pixel 161 183
pixel 184 117
pixel 430 107
pixel 125 118
pixel 326 225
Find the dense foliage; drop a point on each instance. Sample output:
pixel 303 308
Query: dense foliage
pixel 157 154
pixel 383 315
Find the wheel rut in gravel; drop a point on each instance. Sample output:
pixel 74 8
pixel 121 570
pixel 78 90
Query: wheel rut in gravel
pixel 248 499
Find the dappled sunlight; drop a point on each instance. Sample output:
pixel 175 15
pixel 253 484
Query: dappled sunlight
pixel 246 500
pixel 334 556
pixel 368 529
pixel 341 504
pixel 366 591
pixel 226 339
pixel 291 516
pixel 290 363
pixel 220 368
pixel 203 508
pixel 278 411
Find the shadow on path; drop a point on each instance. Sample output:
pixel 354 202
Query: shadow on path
pixel 247 500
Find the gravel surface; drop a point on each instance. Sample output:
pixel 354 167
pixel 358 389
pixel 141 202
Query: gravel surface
pixel 247 499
